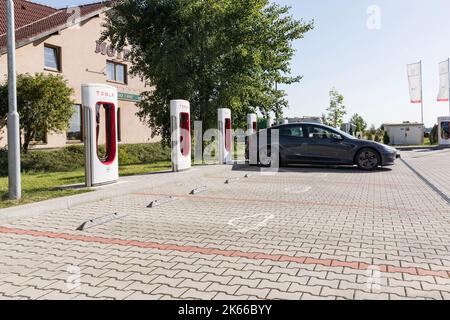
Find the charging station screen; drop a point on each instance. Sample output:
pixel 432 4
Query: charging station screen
pixel 228 136
pixel 106 118
pixel 445 131
pixel 185 132
pixel 255 126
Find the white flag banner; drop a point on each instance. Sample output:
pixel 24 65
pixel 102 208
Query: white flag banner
pixel 444 88
pixel 415 82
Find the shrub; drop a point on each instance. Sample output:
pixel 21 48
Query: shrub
pixel 143 153
pixel 72 157
pixel 386 138
pixel 434 135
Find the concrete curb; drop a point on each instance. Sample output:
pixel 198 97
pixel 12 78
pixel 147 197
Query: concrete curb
pixel 64 203
pixel 126 185
pixel 433 148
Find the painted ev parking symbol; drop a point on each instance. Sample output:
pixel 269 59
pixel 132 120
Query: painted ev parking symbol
pixel 251 223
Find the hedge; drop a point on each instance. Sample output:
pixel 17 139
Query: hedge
pixel 71 158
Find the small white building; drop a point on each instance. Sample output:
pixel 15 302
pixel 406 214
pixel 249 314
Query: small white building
pixel 348 128
pixel 405 134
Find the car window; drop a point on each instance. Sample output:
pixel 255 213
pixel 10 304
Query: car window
pixel 296 132
pixel 321 133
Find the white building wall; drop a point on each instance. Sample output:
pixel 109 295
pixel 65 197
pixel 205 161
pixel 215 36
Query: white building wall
pixel 406 135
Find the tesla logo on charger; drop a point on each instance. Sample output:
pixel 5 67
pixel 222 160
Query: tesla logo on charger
pixel 105 94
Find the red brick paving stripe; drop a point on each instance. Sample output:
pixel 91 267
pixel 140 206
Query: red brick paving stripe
pixel 289 202
pixel 223 252
pixel 351 265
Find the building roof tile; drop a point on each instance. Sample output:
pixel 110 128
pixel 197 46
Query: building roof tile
pixel 34 19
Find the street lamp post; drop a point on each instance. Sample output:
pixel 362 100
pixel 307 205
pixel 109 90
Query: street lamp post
pixel 14 183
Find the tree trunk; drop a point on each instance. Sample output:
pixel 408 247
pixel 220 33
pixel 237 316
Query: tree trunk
pixel 29 135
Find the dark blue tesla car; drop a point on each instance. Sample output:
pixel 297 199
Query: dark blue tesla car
pixel 312 143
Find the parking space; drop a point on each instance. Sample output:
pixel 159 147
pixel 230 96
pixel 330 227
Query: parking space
pixel 302 233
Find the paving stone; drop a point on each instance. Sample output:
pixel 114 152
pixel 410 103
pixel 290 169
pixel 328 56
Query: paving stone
pixel 260 293
pixel 295 287
pixel 142 296
pixel 275 294
pixel 228 289
pixel 330 292
pixel 386 217
pixel 360 295
pixel 196 294
pixel 413 293
pixel 115 294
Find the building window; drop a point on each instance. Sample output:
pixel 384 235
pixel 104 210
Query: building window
pixel 52 58
pixel 116 72
pixel 74 132
pixel 119 127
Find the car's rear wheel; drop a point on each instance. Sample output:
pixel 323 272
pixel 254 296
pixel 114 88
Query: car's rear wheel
pixel 367 159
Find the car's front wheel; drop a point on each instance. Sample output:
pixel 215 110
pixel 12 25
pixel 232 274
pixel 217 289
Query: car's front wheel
pixel 367 159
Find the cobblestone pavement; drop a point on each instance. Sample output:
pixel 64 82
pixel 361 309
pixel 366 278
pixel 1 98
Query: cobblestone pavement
pixel 304 233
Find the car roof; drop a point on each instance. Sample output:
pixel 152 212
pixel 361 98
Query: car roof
pixel 297 123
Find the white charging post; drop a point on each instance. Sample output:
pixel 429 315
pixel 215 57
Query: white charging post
pixel 100 123
pixel 225 136
pixel 444 131
pixel 252 123
pixel 180 127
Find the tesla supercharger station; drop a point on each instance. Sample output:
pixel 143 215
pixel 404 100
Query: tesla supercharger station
pixel 225 136
pixel 180 127
pixel 252 123
pixel 100 128
pixel 444 131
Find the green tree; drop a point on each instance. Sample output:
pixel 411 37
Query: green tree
pixel 214 53
pixel 379 134
pixel 44 104
pixel 434 138
pixel 359 123
pixel 336 111
pixel 324 120
pixel 386 138
pixel 371 133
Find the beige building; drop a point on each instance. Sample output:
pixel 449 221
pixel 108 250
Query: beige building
pixel 65 42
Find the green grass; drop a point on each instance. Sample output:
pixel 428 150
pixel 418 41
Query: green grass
pixel 426 142
pixel 137 169
pixel 42 186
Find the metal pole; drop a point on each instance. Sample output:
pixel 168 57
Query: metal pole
pixel 14 183
pixel 421 89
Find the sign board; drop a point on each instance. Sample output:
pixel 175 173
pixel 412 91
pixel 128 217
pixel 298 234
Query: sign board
pixel 129 97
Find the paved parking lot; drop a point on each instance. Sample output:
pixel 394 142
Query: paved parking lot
pixel 303 233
